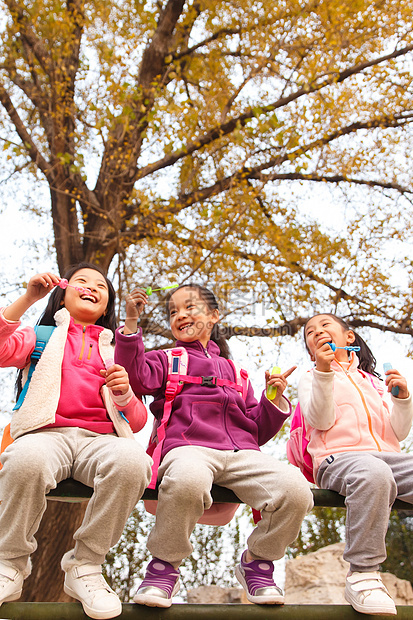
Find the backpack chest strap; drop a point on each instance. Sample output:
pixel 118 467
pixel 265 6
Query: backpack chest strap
pixel 210 382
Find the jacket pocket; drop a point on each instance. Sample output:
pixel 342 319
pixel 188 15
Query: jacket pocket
pixel 207 423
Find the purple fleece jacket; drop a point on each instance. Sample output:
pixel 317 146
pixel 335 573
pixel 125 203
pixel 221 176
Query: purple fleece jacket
pixel 216 417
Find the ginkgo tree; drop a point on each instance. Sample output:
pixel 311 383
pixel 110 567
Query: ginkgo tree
pixel 177 135
pixel 184 138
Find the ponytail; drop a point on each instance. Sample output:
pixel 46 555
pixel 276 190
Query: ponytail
pixel 367 361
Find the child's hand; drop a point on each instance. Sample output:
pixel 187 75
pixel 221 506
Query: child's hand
pixel 324 355
pixel 135 303
pixel 279 382
pixel 393 379
pixel 41 285
pixel 38 287
pixel 117 379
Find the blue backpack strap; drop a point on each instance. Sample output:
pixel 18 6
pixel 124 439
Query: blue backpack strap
pixel 43 333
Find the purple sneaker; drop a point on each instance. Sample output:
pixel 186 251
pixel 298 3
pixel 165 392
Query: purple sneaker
pixel 256 579
pixel 160 584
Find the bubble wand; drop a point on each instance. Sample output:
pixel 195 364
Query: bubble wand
pixel 334 347
pixel 64 284
pixel 150 290
pixel 271 390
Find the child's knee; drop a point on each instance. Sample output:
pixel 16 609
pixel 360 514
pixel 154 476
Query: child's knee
pixel 376 475
pixel 189 484
pixel 28 467
pixel 294 494
pixel 129 460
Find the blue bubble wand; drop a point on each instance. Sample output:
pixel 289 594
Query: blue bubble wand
pixel 334 347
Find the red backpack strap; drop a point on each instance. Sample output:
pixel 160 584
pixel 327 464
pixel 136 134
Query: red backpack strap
pixel 177 369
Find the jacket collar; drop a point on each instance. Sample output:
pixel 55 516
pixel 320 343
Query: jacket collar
pixel 212 348
pixel 353 365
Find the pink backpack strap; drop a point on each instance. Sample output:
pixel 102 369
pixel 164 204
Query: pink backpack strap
pixel 241 378
pixel 375 381
pixel 177 366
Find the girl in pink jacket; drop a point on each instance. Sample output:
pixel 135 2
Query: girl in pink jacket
pixel 354 425
pixel 76 420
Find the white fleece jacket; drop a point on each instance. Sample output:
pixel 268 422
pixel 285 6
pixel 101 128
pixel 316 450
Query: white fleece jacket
pixel 40 404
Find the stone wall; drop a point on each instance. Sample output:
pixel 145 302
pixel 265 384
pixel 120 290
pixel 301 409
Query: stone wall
pixel 319 578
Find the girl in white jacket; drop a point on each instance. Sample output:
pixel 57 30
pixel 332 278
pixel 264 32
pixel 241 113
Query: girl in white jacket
pixel 354 432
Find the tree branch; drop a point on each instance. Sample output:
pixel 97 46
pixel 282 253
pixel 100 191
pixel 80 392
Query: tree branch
pixel 24 135
pixel 228 127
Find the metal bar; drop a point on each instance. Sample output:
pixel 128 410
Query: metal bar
pixel 74 611
pixel 72 491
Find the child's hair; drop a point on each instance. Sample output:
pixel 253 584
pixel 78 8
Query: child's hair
pixel 367 361
pixel 54 304
pixel 56 298
pixel 209 298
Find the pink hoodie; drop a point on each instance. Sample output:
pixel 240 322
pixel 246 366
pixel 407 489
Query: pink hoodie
pixel 347 410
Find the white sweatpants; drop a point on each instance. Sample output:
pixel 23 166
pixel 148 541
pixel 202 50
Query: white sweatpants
pixel 118 470
pixel 187 473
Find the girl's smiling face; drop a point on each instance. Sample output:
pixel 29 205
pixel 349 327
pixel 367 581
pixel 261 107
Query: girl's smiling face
pixel 189 316
pixel 324 328
pixel 87 308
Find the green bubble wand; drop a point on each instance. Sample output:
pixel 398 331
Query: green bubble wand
pixel 150 290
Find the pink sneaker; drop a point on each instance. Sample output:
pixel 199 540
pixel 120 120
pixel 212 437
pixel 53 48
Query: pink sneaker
pixel 256 579
pixel 160 584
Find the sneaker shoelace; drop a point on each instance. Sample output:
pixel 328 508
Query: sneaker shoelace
pixel 95 582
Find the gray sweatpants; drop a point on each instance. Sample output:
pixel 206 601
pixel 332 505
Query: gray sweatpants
pixel 118 469
pixel 370 482
pixel 273 487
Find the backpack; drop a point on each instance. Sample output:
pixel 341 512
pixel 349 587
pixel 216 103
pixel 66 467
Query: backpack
pixel 43 333
pixel 297 443
pixel 218 514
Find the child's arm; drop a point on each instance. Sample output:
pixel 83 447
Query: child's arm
pixel 147 371
pixel 16 345
pixel 135 303
pixel 394 379
pixel 315 395
pixel 269 415
pixel 401 415
pixel 117 381
pixel 315 390
pixel 278 381
pixel 38 287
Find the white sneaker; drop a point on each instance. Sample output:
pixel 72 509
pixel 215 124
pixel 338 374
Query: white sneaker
pixel 367 594
pixel 11 583
pixel 86 584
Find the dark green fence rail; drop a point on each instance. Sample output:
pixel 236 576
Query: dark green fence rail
pixel 71 491
pixel 73 611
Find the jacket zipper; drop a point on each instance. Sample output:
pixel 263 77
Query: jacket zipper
pixel 364 405
pixel 83 343
pixel 225 407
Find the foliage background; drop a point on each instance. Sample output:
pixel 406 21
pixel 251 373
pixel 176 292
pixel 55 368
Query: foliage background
pixel 262 148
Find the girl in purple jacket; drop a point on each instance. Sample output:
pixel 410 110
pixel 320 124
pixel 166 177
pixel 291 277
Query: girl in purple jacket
pixel 213 436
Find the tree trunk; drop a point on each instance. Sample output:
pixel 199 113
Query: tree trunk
pixel 55 537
